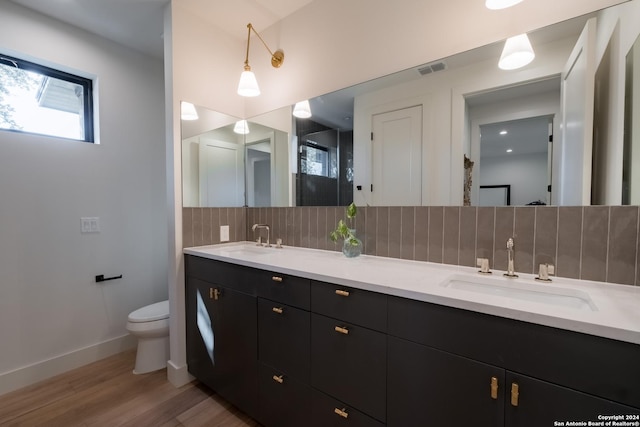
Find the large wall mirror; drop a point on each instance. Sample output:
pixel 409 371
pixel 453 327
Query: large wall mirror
pixel 392 141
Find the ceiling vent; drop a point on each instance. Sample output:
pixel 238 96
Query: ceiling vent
pixel 434 67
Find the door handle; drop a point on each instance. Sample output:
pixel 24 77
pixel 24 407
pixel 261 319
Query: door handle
pixel 277 310
pixel 342 293
pixel 515 394
pixel 342 330
pixel 214 294
pixel 342 412
pixel 494 388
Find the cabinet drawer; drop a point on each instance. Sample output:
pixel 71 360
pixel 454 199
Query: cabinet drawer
pixel 283 401
pixel 355 306
pixel 349 362
pixel 220 273
pixel 328 412
pixel 283 338
pixel 290 290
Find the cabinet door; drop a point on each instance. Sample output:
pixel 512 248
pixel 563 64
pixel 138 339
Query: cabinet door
pixel 222 342
pixel 429 387
pixel 283 338
pixel 349 363
pixel 284 401
pixel 532 403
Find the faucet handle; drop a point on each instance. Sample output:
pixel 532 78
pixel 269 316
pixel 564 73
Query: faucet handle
pixel 544 271
pixel 483 263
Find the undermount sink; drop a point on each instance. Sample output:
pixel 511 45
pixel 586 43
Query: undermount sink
pixel 523 291
pixel 249 250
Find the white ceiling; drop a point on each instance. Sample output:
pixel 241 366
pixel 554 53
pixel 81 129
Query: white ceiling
pixel 139 23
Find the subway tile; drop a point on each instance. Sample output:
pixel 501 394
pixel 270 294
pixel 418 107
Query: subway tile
pixel 305 213
pixel 623 237
pixel 216 220
pixel 187 227
pixel 197 227
pixel 436 233
pixel 421 241
pixel 382 232
pixel 467 254
pixel 451 241
pixel 207 229
pixel 569 242
pixel 594 243
pixel 523 237
pixel 395 232
pixel 371 230
pixel 323 228
pixel 505 228
pixel 485 232
pixel 408 236
pixel 361 226
pixel 546 238
pixel 313 227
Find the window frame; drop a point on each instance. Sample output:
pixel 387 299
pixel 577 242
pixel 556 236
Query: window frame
pixel 84 82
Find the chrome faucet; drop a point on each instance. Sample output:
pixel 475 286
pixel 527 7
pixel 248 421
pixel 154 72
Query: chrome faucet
pixel 510 269
pixel 259 241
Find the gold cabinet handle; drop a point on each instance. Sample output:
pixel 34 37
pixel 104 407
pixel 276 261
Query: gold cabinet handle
pixel 342 293
pixel 214 293
pixel 277 310
pixel 276 278
pixel 514 394
pixel 278 379
pixel 494 388
pixel 342 330
pixel 342 412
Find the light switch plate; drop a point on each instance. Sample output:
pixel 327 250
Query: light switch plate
pixel 224 233
pixel 90 224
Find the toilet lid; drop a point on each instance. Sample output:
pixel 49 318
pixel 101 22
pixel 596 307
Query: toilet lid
pixel 149 313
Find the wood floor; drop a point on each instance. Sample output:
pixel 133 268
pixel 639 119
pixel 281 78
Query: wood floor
pixel 106 394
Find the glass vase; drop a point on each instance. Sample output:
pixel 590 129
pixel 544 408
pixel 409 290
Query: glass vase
pixel 352 246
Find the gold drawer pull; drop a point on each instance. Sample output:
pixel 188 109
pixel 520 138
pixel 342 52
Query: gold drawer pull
pixel 514 394
pixel 276 278
pixel 214 294
pixel 342 412
pixel 342 330
pixel 342 293
pixel 278 379
pixel 494 388
pixel 277 310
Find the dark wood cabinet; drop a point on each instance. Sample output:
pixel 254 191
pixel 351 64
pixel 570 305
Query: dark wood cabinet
pixel 290 351
pixel 222 341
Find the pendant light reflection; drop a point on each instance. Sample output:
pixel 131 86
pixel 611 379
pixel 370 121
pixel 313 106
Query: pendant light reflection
pixel 500 4
pixel 241 127
pixel 302 109
pixel 517 53
pixel 188 111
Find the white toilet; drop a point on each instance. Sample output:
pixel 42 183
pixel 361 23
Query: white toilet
pixel 151 325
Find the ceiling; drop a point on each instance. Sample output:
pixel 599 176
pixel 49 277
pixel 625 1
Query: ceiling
pixel 138 24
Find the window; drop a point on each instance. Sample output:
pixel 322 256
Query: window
pixel 42 100
pixel 318 160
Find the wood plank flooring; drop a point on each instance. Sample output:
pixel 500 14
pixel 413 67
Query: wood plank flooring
pixel 106 393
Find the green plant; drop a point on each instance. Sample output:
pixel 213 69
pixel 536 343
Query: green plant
pixel 344 231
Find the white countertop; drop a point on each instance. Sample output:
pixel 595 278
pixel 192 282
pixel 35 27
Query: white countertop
pixel 614 313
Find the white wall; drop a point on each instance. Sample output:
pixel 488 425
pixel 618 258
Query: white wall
pixel 526 173
pixel 53 316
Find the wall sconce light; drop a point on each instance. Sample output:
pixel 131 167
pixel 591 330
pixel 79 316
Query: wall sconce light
pixel 517 53
pixel 188 111
pixel 241 127
pixel 248 85
pixel 302 109
pixel 500 4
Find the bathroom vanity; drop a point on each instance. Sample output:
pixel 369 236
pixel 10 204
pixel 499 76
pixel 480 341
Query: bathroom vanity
pixel 301 337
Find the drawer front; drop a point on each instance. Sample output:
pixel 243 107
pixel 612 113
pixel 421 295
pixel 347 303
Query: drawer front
pixel 284 338
pixel 290 290
pixel 220 273
pixel 328 412
pixel 355 306
pixel 283 401
pixel 349 362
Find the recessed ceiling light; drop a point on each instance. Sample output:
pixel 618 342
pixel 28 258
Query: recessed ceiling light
pixel 509 150
pixel 503 132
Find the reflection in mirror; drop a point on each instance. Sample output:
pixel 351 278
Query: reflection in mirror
pixel 631 166
pixel 227 162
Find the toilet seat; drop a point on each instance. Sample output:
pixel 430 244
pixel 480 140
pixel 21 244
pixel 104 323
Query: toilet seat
pixel 150 313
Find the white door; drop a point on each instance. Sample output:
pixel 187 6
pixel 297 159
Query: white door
pixel 577 96
pixel 221 174
pixel 397 158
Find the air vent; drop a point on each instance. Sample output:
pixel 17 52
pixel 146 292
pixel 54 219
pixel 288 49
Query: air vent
pixel 432 68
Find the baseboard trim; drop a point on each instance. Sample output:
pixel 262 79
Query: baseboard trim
pixel 178 375
pixel 22 377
